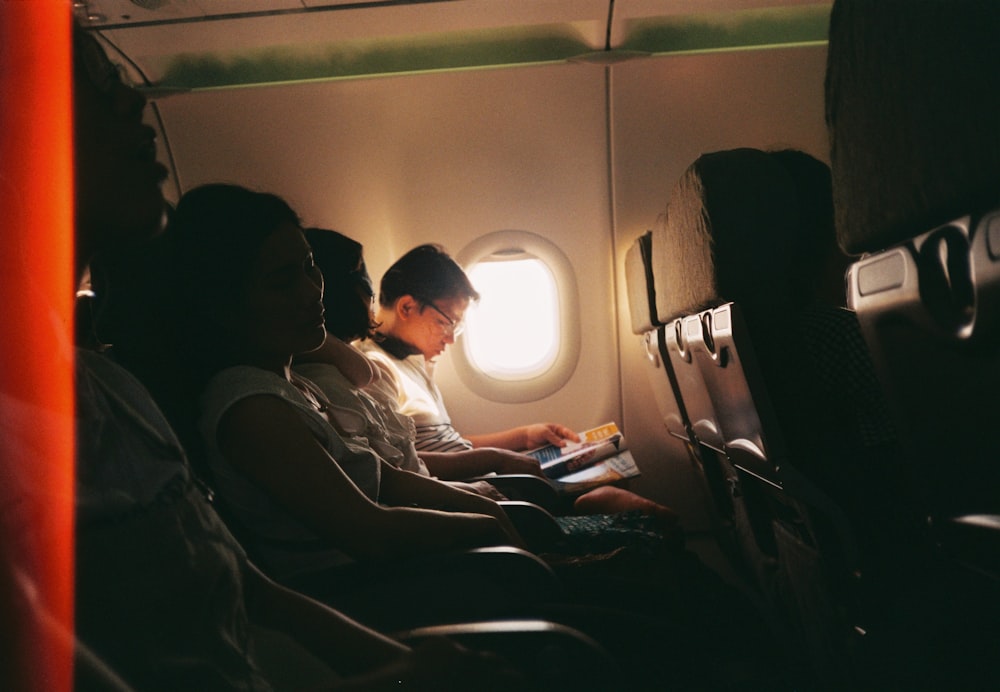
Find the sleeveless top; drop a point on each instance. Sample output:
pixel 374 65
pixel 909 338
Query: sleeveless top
pixel 281 542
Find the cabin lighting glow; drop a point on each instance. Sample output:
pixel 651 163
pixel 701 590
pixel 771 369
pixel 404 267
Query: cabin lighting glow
pixel 513 332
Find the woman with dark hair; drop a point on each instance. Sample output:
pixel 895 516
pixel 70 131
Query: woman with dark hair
pixel 339 369
pixel 310 492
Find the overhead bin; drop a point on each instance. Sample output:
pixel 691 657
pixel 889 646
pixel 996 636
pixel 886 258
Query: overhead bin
pixel 196 44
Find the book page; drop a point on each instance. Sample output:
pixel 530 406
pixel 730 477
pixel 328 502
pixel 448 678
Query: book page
pixel 588 438
pixel 610 470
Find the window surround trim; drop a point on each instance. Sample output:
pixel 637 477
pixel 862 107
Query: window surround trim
pixel 543 384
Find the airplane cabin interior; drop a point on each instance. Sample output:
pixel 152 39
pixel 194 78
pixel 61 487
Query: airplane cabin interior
pixel 761 237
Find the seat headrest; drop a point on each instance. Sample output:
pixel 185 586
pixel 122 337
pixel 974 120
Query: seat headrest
pixel 912 97
pixel 745 225
pixel 639 284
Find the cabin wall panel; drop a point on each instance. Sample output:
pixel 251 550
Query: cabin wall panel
pixel 444 157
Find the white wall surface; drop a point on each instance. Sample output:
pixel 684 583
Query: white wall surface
pixel 399 161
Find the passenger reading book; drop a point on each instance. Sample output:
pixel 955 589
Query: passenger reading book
pixel 422 299
pixel 422 302
pixel 341 371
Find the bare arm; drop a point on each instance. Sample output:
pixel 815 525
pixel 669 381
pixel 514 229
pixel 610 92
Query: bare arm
pixel 478 462
pixel 526 437
pixel 265 438
pixel 429 492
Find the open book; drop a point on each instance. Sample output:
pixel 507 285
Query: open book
pixel 599 458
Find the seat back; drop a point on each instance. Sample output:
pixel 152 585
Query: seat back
pixel 723 354
pixel 928 308
pixel 695 269
pixel 920 118
pixel 642 310
pixel 754 257
pixel 667 390
pixel 912 93
pixel 681 336
pixel 731 234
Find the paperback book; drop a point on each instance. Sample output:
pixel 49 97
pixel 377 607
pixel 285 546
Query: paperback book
pixel 600 457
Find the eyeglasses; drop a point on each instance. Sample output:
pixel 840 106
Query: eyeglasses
pixel 451 327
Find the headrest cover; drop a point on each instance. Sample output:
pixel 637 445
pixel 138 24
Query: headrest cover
pixel 638 281
pixel 912 103
pixel 740 226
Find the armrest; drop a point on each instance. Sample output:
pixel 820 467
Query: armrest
pixel 537 527
pixel 549 655
pixel 462 586
pixel 524 487
pixel 972 540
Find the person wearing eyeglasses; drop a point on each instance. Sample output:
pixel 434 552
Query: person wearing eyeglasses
pixel 423 298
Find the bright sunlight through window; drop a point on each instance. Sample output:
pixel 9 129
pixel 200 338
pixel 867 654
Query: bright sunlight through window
pixel 513 332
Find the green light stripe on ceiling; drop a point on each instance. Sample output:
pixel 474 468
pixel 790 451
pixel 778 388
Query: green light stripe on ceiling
pixel 723 31
pixel 365 58
pixel 488 48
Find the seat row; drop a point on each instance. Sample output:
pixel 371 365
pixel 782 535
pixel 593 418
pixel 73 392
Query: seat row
pixel 841 408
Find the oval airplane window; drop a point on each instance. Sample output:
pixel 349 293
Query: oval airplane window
pixel 522 340
pixel 519 297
